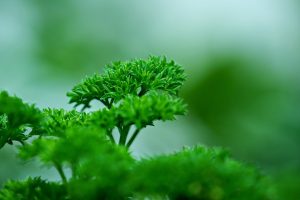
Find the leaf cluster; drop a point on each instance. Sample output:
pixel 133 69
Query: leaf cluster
pixel 33 189
pixel 200 173
pixel 56 121
pixel 135 77
pixel 96 164
pixel 143 111
pixel 138 112
pixel 15 119
pixel 135 93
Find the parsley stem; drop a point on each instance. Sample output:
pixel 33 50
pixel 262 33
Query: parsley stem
pixel 136 132
pixel 60 170
pixel 111 137
pixel 123 135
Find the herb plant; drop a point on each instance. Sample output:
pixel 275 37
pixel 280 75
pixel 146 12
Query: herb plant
pixel 91 150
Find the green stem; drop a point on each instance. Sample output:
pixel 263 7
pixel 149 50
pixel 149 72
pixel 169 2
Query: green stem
pixel 110 103
pixel 123 135
pixel 143 91
pixel 105 103
pixel 111 137
pixel 60 170
pixel 74 170
pixel 136 132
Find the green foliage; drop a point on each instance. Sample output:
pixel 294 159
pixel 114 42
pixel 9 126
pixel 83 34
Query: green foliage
pixel 94 161
pixel 142 111
pixel 103 169
pixel 32 189
pixel 77 143
pixel 15 119
pixel 135 77
pixel 288 183
pixel 56 121
pixel 136 94
pixel 138 111
pixel 200 173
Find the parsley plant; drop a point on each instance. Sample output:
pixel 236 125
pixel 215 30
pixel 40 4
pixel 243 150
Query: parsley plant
pixel 134 95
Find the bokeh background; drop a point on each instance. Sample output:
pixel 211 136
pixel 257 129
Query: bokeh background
pixel 242 59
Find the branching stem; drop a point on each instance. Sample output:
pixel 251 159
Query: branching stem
pixel 134 135
pixel 111 137
pixel 123 134
pixel 74 170
pixel 143 91
pixel 60 170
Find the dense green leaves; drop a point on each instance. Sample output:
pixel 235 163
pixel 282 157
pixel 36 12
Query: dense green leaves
pixel 56 121
pixel 142 111
pixel 135 77
pixel 138 112
pixel 193 173
pixel 15 119
pixel 33 189
pixel 103 171
pixel 77 142
pixel 200 173
pixel 135 92
pixel 96 164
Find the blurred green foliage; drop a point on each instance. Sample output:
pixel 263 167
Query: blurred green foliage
pixel 35 188
pixel 232 91
pixel 201 173
pixel 68 44
pixel 245 106
pixel 287 182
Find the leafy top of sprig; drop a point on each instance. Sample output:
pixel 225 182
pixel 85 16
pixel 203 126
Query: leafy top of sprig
pixel 135 77
pixel 143 111
pixel 135 93
pixel 56 121
pixel 18 116
pixel 18 112
pixel 138 112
